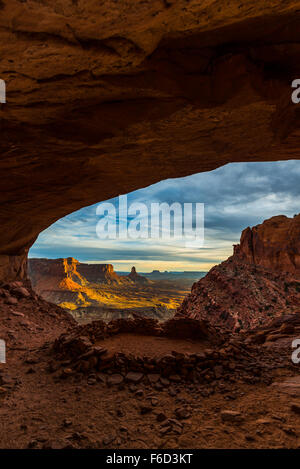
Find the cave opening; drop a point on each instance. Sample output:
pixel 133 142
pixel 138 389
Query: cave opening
pixel 94 278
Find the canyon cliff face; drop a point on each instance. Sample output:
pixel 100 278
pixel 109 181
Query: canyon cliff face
pixel 178 87
pixel 89 289
pixel 274 245
pixel 53 274
pixel 69 273
pixel 55 279
pixel 259 283
pixel 99 273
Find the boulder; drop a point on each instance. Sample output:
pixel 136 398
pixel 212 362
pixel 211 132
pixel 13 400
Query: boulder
pixel 115 379
pixel 133 377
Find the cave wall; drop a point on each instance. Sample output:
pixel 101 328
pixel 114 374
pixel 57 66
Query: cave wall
pixel 107 97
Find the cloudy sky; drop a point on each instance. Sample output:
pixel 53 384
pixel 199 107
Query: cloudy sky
pixel 234 196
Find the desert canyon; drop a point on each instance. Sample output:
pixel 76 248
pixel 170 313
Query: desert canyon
pixel 96 291
pixel 104 98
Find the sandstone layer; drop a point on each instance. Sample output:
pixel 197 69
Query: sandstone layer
pixel 69 281
pixel 104 98
pixel 274 245
pixel 259 283
pixel 96 291
pixel 67 274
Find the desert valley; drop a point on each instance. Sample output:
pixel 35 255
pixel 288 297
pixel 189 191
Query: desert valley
pixel 96 291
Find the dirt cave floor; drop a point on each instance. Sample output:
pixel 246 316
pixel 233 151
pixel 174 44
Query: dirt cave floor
pixel 40 413
pixel 38 410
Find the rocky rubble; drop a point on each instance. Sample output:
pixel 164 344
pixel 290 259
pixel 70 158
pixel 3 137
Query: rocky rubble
pixel 176 328
pixel 24 315
pixel 230 360
pixel 282 328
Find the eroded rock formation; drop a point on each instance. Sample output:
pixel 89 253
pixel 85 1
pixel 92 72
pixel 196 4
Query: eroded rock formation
pixel 93 88
pixel 49 276
pixel 96 291
pixel 274 245
pixel 137 278
pixel 99 273
pixel 259 283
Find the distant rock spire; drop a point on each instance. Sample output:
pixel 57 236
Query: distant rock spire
pixel 135 277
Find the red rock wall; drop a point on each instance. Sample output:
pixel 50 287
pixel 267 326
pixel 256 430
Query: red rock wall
pixel 274 245
pixel 67 274
pixel 95 273
pixel 259 283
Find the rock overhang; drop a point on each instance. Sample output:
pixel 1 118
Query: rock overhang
pixel 104 99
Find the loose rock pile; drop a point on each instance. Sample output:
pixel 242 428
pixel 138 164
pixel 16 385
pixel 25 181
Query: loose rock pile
pixel 282 328
pixel 230 360
pixel 13 292
pixel 24 315
pixel 174 328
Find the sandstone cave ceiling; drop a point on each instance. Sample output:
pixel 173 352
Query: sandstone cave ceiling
pixel 102 100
